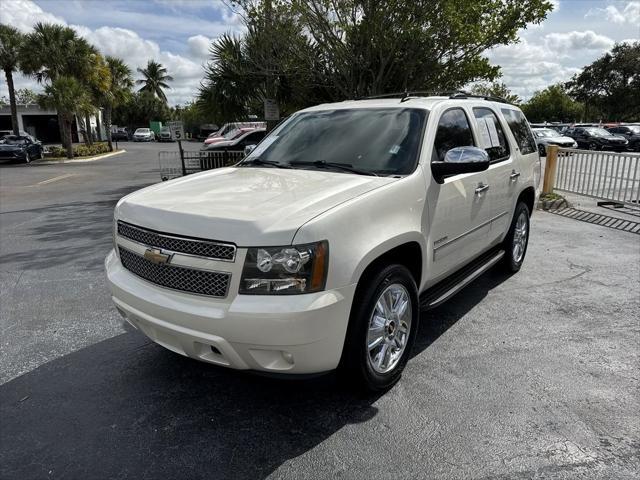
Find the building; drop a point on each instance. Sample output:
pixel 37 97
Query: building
pixel 43 124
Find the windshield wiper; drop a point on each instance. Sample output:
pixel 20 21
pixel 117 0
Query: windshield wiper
pixel 259 161
pixel 340 166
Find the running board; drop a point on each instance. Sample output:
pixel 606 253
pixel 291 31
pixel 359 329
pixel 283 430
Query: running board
pixel 442 291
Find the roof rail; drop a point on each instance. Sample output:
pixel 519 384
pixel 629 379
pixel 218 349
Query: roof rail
pixel 453 94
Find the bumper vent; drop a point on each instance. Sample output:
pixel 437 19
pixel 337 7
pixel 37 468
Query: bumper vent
pixel 202 282
pixel 200 248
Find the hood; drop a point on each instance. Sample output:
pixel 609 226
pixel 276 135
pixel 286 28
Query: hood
pixel 559 140
pixel 247 206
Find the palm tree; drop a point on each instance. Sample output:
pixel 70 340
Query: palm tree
pixel 118 93
pixel 68 96
pixel 10 43
pixel 155 79
pixel 51 51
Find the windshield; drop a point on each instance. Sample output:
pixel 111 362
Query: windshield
pixel 598 132
pixel 11 140
pixel 382 141
pixel 231 134
pixel 546 132
pixel 634 128
pixel 142 130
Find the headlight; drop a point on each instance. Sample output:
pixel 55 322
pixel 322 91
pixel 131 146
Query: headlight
pixel 285 270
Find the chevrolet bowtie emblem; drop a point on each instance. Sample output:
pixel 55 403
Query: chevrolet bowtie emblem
pixel 156 256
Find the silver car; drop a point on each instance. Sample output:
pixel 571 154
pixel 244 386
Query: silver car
pixel 144 135
pixel 549 136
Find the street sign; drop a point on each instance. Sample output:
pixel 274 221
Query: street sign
pixel 271 110
pixel 177 130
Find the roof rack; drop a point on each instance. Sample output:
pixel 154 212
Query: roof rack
pixel 453 94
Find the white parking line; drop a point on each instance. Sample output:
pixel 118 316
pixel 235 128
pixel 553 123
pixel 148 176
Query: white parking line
pixel 54 179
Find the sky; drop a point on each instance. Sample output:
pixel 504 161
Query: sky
pixel 177 33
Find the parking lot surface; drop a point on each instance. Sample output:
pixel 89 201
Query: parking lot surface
pixel 534 375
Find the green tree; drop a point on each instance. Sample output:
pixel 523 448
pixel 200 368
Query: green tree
pixel 68 96
pixel 142 108
pixel 370 48
pixel 26 96
pixel 119 92
pixel 610 86
pixel 552 104
pixel 11 41
pixel 496 89
pixel 52 51
pixel 155 78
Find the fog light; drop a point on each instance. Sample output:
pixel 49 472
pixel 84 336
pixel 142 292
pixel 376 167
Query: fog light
pixel 288 357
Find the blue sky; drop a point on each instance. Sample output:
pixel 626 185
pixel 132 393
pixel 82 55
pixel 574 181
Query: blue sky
pixel 178 33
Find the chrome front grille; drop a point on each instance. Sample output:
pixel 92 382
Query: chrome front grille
pixel 202 282
pixel 200 248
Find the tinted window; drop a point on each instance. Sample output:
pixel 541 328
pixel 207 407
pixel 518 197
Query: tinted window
pixel 254 137
pixel 491 135
pixel 520 129
pixel 380 140
pixel 453 131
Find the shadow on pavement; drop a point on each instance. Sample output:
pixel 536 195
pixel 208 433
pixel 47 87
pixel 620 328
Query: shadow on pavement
pixel 75 232
pixel 126 407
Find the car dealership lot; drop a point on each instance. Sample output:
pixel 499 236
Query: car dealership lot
pixel 533 375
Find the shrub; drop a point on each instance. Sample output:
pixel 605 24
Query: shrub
pixel 80 150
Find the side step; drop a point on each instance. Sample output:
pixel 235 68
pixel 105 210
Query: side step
pixel 445 289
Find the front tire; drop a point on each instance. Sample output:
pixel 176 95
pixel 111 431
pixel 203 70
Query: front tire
pixel 27 157
pixel 517 240
pixel 382 329
pixel 593 146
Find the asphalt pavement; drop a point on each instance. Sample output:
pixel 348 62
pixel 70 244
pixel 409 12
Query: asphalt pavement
pixel 533 375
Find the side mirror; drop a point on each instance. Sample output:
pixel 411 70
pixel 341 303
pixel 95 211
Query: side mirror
pixel 248 149
pixel 460 160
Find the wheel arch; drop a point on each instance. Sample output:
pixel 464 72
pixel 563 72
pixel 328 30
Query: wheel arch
pixel 528 196
pixel 408 253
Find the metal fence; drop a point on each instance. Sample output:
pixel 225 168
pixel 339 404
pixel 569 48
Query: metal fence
pixel 171 165
pixel 604 175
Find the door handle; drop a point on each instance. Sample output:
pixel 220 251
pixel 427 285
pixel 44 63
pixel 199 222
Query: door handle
pixel 481 188
pixel 514 175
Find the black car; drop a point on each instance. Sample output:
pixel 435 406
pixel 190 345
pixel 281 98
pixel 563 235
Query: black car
pixel 631 133
pixel 596 138
pixel 20 148
pixel 120 134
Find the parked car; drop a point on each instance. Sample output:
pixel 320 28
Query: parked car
pixel 319 250
pixel 596 138
pixel 21 148
pixel 165 135
pixel 246 137
pixel 549 136
pixel 120 133
pixel 227 128
pixel 631 133
pixel 144 135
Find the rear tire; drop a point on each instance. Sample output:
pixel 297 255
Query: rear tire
pixel 382 329
pixel 27 157
pixel 517 239
pixel 593 146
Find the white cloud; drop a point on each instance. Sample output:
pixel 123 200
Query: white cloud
pixel 23 14
pixel 561 43
pixel 629 14
pixel 199 46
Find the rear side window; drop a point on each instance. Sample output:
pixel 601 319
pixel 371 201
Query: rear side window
pixel 520 129
pixel 453 131
pixel 491 135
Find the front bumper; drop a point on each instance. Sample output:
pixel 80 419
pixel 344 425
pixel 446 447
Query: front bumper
pixel 295 334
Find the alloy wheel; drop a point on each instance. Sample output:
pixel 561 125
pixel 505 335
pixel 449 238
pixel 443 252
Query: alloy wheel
pixel 389 328
pixel 520 237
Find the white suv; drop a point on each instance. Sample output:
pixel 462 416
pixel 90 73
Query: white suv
pixel 319 250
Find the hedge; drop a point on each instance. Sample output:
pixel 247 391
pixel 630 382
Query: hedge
pixel 80 150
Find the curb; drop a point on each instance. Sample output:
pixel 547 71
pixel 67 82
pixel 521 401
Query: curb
pixel 80 160
pixel 553 204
